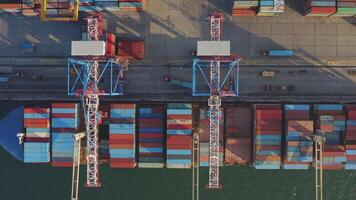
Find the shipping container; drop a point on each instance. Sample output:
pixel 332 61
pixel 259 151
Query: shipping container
pixel 238 132
pixel 151 156
pixel 179 135
pixel 122 135
pixel 268 136
pixel 65 123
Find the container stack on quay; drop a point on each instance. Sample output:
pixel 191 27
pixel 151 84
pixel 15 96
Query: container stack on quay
pixel 110 42
pixel 331 121
pixel 271 7
pixel 268 132
pixel 11 7
pixel 299 131
pixel 204 136
pixel 345 8
pixel 245 8
pixel 131 5
pixel 238 132
pixel 179 135
pixel 122 131
pixel 350 137
pixel 37 135
pixel 322 8
pixel 65 123
pixel 133 50
pixel 151 136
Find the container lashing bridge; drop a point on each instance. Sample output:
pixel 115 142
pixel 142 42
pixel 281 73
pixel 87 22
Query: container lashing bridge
pixel 215 65
pixel 87 79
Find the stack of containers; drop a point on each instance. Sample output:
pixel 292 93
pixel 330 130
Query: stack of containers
pixel 28 8
pixel 320 7
pixel 245 8
pixel 36 147
pixel 65 122
pixel 133 50
pixel 122 130
pixel 36 152
pixel 151 136
pixel 271 7
pixel 299 148
pixel 268 128
pixel 37 124
pixel 131 5
pixel 331 120
pixel 10 7
pixel 238 135
pixel 351 137
pixel 179 135
pixel 110 44
pixel 204 136
pixel 345 8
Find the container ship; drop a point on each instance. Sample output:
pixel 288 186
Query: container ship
pixel 263 136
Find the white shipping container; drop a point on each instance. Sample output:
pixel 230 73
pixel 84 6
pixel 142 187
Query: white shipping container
pixel 88 48
pixel 213 48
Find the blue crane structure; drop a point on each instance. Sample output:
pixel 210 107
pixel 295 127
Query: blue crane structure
pixel 90 77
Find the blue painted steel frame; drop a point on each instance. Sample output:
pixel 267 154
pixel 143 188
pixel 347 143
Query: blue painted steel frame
pixel 81 78
pixel 198 65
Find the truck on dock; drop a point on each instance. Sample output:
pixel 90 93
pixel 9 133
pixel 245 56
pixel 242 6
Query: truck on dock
pixel 269 73
pixel 278 53
pixel 279 87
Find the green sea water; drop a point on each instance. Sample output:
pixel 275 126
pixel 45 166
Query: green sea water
pixel 19 181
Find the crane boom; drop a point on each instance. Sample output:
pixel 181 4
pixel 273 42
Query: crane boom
pixel 214 104
pixel 90 98
pixel 76 164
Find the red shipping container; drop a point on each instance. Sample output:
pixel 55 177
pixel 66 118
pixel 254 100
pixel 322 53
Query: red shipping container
pixel 63 115
pixel 175 139
pixel 64 105
pixel 150 135
pixel 10 6
pixel 36 110
pixel 179 146
pixel 120 141
pixel 121 137
pixel 179 117
pixel 132 50
pixel 180 126
pixel 123 105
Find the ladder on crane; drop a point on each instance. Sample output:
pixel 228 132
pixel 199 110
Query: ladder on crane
pixel 196 163
pixel 319 140
pixel 76 164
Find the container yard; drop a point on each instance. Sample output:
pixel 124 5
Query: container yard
pixel 178 99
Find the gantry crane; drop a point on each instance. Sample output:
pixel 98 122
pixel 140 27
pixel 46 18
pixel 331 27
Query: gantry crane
pixel 87 82
pixel 213 56
pixel 76 164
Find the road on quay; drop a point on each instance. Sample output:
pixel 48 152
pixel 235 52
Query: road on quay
pixel 312 84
